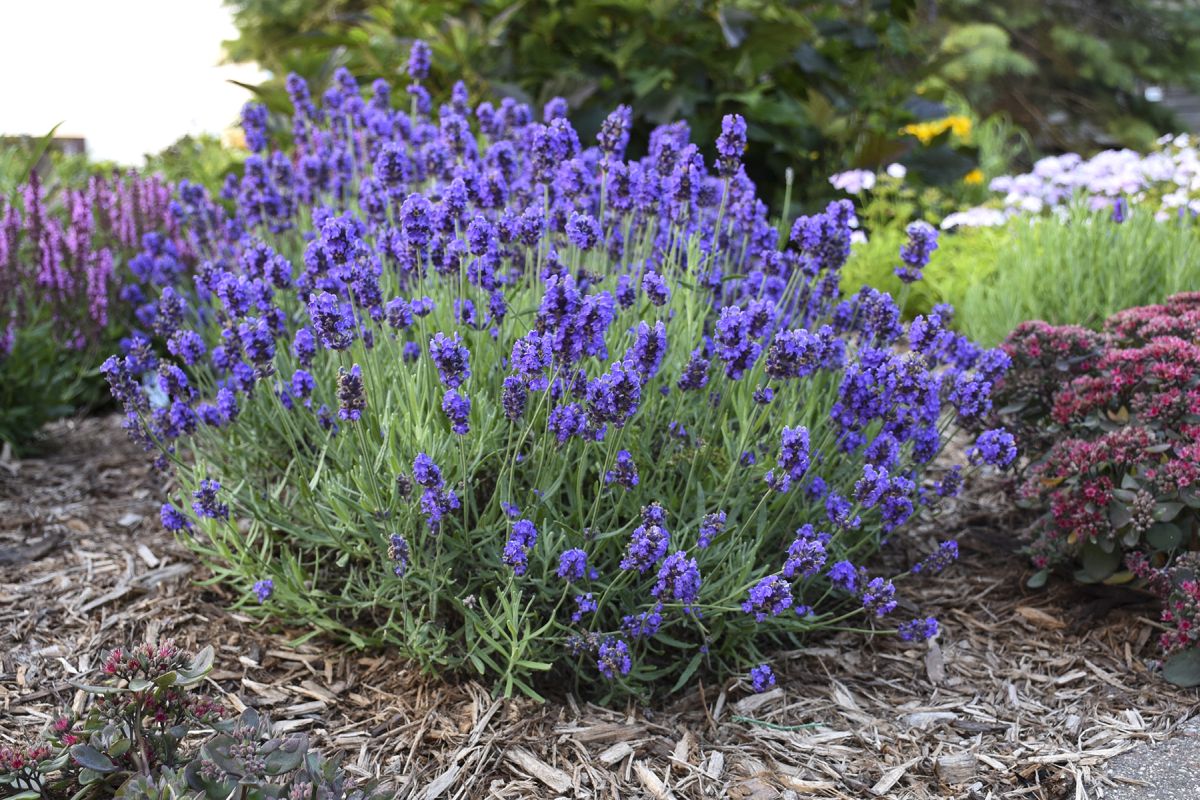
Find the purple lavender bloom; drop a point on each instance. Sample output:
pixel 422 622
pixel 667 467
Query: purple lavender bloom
pixel 879 597
pixel 695 374
pixel 951 483
pixel 735 344
pixel 451 358
pixel 555 108
pixel 426 473
pixel 645 624
pixel 458 410
pixel 566 421
pixel 352 397
pixel 398 552
pixel 806 554
pixel 763 395
pixel 332 320
pixel 647 545
pixel 838 511
pixel 918 630
pixel 614 133
pixel 793 459
pixel 938 560
pixel 254 126
pixel 205 502
pixel 1120 210
pixel 711 526
pixel 656 288
pixel 573 566
pixel 227 404
pixel 730 145
pixel 844 575
pixel 302 384
pixel 646 354
pixel 437 504
pixel 583 231
pixel 771 596
pixel 398 313
pixel 584 604
pixel 922 241
pixel 996 447
pixel 303 347
pixel 520 542
pixel 613 658
pixel 614 396
pixel 391 166
pixel 513 398
pixel 264 589
pixel 762 676
pixel 678 579
pixel 418 60
pixel 326 420
pixel 187 346
pixel 172 519
pixel 624 471
pixel 532 355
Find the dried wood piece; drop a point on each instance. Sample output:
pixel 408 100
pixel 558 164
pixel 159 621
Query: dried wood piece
pixel 957 769
pixel 556 779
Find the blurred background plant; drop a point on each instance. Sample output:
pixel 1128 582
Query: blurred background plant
pixel 1064 74
pixel 1079 268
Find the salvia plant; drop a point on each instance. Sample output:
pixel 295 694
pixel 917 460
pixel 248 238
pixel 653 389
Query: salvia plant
pixel 1112 422
pixel 459 385
pixel 71 286
pixel 148 734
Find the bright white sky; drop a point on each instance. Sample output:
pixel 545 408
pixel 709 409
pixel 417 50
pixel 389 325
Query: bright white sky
pixel 130 76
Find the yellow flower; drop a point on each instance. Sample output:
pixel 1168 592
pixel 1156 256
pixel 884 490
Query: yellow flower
pixel 926 132
pixel 974 177
pixel 233 139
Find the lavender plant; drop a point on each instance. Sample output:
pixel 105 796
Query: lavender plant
pixel 458 385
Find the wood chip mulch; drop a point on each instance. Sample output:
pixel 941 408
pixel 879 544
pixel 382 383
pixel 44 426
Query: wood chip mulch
pixel 1023 695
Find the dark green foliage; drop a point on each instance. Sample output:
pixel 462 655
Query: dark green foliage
pixel 822 83
pixel 1072 72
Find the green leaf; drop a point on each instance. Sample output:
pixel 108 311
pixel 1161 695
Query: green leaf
pixel 1119 514
pixel 688 672
pixel 1038 579
pixel 282 761
pixel 87 756
pixel 1164 536
pixel 1097 563
pixel 1183 669
pixel 1165 512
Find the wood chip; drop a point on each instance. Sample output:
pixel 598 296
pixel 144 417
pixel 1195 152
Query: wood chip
pixel 1040 618
pixel 556 779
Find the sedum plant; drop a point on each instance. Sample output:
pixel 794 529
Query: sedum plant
pixel 148 735
pixel 1112 421
pixel 457 385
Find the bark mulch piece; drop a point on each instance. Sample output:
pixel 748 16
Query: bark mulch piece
pixel 1023 695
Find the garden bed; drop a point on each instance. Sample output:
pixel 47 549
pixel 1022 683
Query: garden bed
pixel 1023 694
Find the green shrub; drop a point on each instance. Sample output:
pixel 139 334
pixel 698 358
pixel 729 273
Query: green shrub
pixel 1080 269
pixel 963 259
